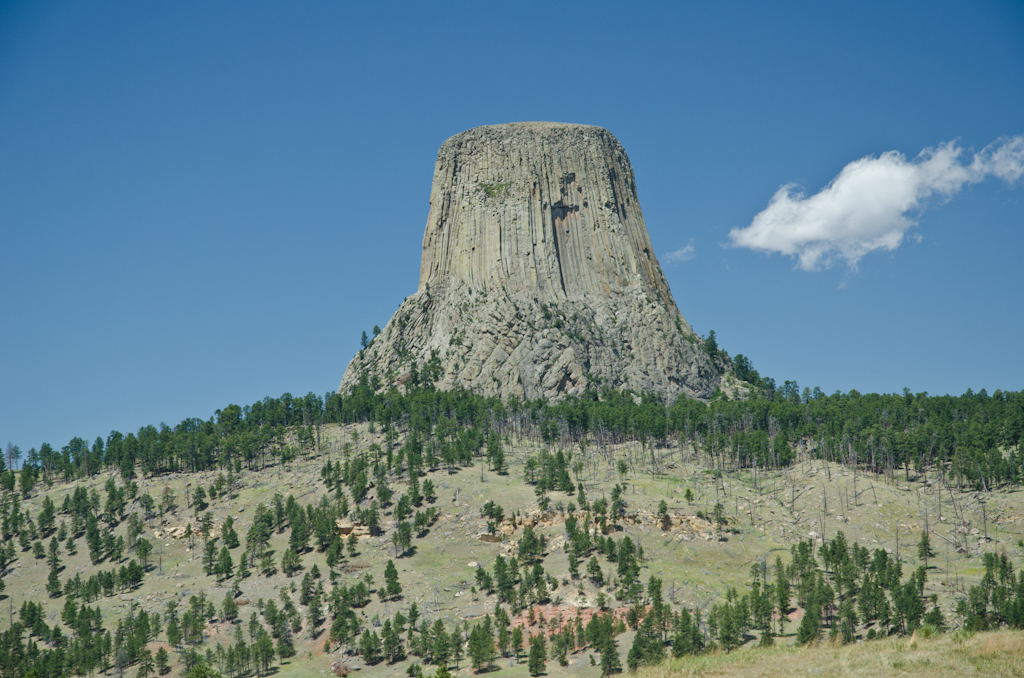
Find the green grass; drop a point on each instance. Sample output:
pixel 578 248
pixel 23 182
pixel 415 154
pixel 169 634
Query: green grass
pixel 494 190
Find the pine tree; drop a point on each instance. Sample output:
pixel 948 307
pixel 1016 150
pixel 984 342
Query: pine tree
pixel 173 632
pixel 145 659
pixel 666 522
pixel 610 663
pixel 53 586
pixel 810 626
pixel 315 614
pixel 729 625
pixel 210 556
pixel 688 638
pixel 781 594
pixel 370 646
pixel 648 647
pixel 541 591
pixel 229 607
pixel 228 533
pixel 299 538
pixel 392 643
pixel 481 647
pixel 924 549
pixel 199 499
pixel 225 566
pixel 162 667
pixel 144 549
pixel 517 642
pixel 243 567
pixel 574 564
pixel 53 553
pixel 263 649
pixel 441 644
pixel 391 586
pixel 634 658
pixel 285 644
pixel 935 618
pixel 538 655
pixel 290 562
pixel 847 620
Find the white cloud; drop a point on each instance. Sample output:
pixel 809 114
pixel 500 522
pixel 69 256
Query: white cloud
pixel 684 254
pixel 871 204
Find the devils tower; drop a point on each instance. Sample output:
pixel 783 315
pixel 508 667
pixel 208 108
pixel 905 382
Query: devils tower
pixel 538 277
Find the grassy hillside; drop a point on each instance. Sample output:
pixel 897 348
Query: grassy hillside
pixel 955 655
pixel 764 514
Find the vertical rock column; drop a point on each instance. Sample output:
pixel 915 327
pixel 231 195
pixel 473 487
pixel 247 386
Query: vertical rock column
pixel 538 277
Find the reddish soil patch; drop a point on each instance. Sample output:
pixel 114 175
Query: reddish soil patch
pixel 352 568
pixel 543 614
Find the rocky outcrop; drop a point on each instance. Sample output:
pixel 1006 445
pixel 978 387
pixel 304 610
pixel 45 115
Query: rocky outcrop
pixel 181 531
pixel 347 527
pixel 538 278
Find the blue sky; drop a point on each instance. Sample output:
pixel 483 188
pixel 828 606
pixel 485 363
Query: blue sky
pixel 206 203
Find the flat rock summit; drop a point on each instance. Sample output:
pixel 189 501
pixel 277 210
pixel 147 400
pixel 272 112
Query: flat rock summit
pixel 538 278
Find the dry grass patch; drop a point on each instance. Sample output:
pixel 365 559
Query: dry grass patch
pixel 997 654
pixel 1003 644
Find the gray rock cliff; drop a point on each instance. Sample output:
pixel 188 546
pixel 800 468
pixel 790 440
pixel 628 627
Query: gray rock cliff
pixel 538 277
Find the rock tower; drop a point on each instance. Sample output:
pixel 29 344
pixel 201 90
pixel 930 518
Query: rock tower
pixel 538 277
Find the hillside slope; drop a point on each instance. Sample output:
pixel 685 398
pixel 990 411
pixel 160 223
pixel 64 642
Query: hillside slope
pixel 695 557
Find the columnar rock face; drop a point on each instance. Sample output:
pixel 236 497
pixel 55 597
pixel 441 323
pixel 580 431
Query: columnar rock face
pixel 538 277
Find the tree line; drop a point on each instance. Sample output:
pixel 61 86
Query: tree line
pixel 972 439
